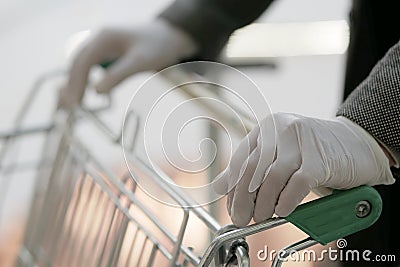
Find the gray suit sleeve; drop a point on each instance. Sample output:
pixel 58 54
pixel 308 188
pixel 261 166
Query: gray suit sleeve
pixel 211 22
pixel 375 103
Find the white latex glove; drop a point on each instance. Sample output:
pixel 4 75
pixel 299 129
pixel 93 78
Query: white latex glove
pixel 151 47
pixel 310 153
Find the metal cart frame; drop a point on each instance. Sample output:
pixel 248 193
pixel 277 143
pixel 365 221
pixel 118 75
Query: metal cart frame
pixel 72 188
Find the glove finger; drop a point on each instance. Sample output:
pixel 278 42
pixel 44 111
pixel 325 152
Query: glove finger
pixel 312 172
pixel 266 143
pixel 243 201
pixel 71 94
pixel 220 182
pixel 266 200
pixel 124 67
pixel 248 168
pixel 239 158
pixel 299 186
pixel 94 52
pixel 287 162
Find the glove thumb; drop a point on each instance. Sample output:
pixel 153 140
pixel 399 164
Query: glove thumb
pixel 117 72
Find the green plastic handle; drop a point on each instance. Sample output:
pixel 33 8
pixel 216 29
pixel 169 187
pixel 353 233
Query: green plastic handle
pixel 339 214
pixel 107 64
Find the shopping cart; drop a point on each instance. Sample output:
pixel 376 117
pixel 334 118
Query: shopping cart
pixel 84 214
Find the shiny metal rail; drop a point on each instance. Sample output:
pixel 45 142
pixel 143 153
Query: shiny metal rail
pixel 83 214
pixel 76 190
pixel 71 209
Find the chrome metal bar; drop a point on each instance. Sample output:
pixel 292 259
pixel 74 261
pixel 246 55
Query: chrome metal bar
pixel 177 246
pixel 242 257
pixel 92 117
pixel 71 218
pixel 152 255
pixel 76 218
pixel 105 230
pixel 87 228
pixel 176 194
pixel 181 200
pixel 132 198
pixel 92 188
pixel 122 224
pixel 32 94
pixel 25 107
pixel 26 131
pixel 107 131
pixel 183 78
pixel 142 250
pixel 295 247
pixel 235 234
pixel 54 147
pixel 70 173
pixel 129 258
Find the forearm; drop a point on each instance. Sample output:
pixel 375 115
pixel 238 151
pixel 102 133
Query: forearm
pixel 211 22
pixel 375 104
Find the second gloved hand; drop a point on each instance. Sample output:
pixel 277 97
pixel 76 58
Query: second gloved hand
pixel 150 47
pixel 309 153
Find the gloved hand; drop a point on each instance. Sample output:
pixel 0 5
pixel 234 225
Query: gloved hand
pixel 309 153
pixel 150 47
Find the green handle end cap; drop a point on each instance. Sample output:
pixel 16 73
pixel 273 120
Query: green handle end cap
pixel 338 215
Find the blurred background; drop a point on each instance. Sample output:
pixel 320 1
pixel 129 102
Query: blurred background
pixel 295 53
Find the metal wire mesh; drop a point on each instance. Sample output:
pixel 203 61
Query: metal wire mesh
pixel 84 215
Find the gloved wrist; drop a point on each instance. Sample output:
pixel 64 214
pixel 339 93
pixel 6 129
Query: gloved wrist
pixel 393 160
pixel 381 158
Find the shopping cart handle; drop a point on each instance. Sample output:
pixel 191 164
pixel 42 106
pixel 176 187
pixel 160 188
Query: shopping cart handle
pixel 343 213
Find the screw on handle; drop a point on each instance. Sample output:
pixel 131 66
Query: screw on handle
pixel 363 208
pixel 343 213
